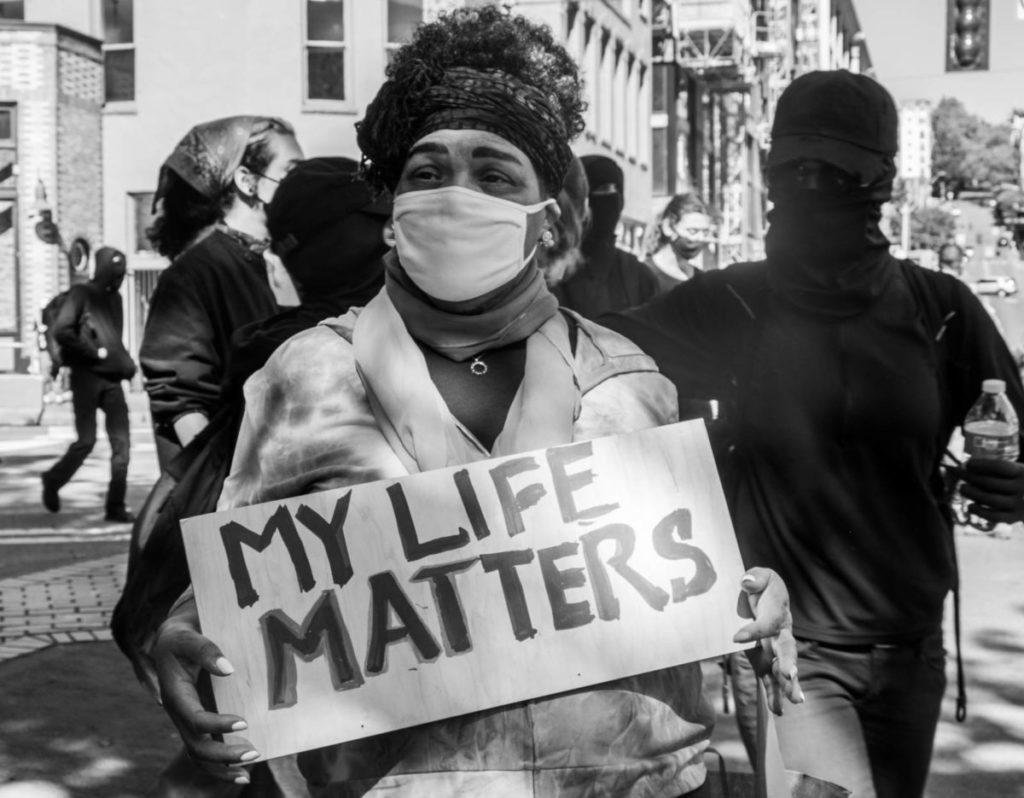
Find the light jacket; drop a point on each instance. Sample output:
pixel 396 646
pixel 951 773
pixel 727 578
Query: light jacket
pixel 309 427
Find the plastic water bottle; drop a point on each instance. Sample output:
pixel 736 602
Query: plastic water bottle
pixel 990 430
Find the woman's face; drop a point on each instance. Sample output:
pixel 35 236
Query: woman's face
pixel 694 229
pixel 479 161
pixel 473 159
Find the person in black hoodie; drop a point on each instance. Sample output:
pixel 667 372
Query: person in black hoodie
pixel 211 202
pixel 610 278
pixel 89 328
pixel 328 230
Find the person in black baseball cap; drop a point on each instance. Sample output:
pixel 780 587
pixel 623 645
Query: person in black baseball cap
pixel 841 373
pixel 88 329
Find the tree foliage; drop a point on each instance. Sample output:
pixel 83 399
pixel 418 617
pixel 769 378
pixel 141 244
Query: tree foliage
pixel 930 227
pixel 969 150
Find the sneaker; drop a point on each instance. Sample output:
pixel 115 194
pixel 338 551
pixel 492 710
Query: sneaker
pixel 51 498
pixel 120 516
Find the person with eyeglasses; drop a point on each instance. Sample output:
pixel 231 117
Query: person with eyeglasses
pixel 678 243
pixel 842 373
pixel 211 199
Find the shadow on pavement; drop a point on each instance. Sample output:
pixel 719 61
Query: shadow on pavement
pixel 75 717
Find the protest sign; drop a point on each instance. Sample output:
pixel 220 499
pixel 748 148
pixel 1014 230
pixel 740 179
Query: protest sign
pixel 362 610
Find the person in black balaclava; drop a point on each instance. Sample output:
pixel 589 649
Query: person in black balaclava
pixel 609 278
pixel 841 373
pixel 88 329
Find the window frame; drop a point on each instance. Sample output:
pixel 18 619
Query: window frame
pixel 390 46
pixel 323 104
pixel 119 104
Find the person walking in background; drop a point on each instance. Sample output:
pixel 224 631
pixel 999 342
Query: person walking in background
pixel 951 259
pixel 842 373
pixel 609 278
pixel 211 221
pixel 88 329
pixel 678 242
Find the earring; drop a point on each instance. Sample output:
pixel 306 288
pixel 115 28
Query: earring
pixel 547 238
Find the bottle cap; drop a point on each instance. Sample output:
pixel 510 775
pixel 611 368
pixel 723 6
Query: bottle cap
pixel 993 386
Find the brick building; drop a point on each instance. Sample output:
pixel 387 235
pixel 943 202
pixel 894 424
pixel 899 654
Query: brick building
pixel 51 99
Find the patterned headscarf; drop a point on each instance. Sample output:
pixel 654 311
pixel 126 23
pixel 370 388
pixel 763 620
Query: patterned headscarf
pixel 211 152
pixel 461 98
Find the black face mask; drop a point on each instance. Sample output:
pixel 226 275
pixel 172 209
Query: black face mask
pixel 686 249
pixel 605 211
pixel 829 234
pixel 827 257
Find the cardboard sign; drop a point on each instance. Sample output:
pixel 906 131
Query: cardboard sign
pixel 362 610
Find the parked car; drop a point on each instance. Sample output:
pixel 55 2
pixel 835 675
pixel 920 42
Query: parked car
pixel 1000 285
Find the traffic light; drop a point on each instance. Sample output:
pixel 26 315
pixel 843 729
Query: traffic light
pixel 967 35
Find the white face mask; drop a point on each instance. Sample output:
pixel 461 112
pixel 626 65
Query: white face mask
pixel 458 244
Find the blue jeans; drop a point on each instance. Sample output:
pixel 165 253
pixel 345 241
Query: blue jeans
pixel 869 719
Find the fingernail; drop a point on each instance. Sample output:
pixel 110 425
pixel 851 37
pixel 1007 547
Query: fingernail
pixel 224 666
pixel 241 779
pixel 748 579
pixel 239 725
pixel 742 637
pixel 792 673
pixel 249 756
pixel 799 695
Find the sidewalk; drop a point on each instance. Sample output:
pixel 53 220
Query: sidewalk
pixel 74 721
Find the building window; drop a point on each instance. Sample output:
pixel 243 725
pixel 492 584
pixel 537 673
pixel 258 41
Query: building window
pixel 142 220
pixel 325 49
pixel 403 17
pixel 118 50
pixel 12 9
pixel 8 221
pixel 659 160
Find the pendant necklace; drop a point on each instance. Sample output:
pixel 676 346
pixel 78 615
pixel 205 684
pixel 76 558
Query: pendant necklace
pixel 477 368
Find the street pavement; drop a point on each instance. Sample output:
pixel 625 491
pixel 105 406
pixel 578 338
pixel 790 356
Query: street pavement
pixel 74 722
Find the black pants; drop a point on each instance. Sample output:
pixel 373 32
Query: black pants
pixel 89 393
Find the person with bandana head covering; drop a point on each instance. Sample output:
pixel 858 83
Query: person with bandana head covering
pixel 609 278
pixel 678 241
pixel 210 202
pixel 464 355
pixel 842 373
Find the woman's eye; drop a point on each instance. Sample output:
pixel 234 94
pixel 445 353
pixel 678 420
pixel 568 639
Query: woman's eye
pixel 425 173
pixel 497 178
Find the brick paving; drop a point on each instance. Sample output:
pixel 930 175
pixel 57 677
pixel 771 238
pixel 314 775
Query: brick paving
pixel 71 604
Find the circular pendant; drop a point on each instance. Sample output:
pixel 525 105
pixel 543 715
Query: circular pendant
pixel 478 368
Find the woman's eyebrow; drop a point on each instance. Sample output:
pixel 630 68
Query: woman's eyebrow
pixel 431 147
pixel 491 152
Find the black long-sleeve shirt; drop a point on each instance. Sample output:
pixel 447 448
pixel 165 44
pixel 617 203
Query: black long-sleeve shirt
pixel 213 288
pixel 836 429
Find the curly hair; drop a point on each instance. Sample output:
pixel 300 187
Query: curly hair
pixel 484 39
pixel 185 213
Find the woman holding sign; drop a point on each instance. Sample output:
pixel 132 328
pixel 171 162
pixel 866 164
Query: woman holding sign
pixel 462 357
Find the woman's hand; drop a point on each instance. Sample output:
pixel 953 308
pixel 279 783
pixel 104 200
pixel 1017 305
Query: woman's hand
pixel 182 657
pixel 766 600
pixel 996 487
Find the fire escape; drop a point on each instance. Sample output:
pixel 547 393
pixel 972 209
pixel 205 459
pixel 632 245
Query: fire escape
pixel 713 49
